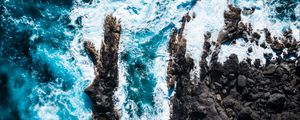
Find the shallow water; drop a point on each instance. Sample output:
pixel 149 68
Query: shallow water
pixel 44 70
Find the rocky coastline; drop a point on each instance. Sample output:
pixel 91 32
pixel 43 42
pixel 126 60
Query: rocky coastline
pixel 235 90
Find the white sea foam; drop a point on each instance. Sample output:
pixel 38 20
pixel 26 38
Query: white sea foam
pixel 120 94
pixel 259 20
pixel 161 89
pixel 241 49
pixel 209 18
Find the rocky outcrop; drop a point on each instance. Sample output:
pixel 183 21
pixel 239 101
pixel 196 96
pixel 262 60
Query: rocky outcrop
pixel 102 89
pixel 178 72
pixel 177 50
pixel 233 27
pixel 235 90
pixel 191 100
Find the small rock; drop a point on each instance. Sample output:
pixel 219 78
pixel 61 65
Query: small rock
pixel 276 101
pixel 228 102
pixel 219 97
pixel 242 81
pixel 247 104
pixel 256 36
pixel 250 81
pixel 250 50
pixel 245 114
pixel 224 91
pixel 270 69
pixel 232 83
pixel 245 92
pixel 230 112
pixel 248 11
pixel 266 95
pixel 285 77
pixel 223 80
pixel 263 45
pixel 218 84
pixel 194 15
pixel 231 76
pixel 257 63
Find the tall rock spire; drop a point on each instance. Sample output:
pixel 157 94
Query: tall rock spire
pixel 102 89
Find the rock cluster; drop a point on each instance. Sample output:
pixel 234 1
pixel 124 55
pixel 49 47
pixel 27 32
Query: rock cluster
pixel 235 90
pixel 101 91
pixel 178 72
pixel 251 91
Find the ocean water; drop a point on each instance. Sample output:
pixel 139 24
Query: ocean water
pixel 44 69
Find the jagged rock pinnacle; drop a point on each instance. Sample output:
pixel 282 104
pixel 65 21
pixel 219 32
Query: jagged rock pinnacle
pixel 102 89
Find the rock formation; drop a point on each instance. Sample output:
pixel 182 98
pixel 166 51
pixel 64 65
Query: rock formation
pixel 235 90
pixel 191 99
pixel 102 89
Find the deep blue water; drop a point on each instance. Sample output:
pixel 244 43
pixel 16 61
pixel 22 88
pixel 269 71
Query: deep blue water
pixel 34 34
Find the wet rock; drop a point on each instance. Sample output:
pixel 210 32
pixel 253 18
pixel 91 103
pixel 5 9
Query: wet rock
pixel 216 71
pixel 256 36
pixel 263 45
pixel 257 63
pixel 276 45
pixel 268 36
pixel 270 69
pixel 87 1
pixel 244 68
pixel 231 65
pixel 276 101
pixel 248 11
pixel 250 50
pixel 247 114
pixel 232 29
pixel 188 102
pixel 101 91
pixel 242 81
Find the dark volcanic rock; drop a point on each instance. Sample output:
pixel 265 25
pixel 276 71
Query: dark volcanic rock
pixel 235 90
pixel 232 28
pixel 250 49
pixel 255 91
pixel 191 100
pixel 276 101
pixel 106 69
pixel 247 114
pixel 242 81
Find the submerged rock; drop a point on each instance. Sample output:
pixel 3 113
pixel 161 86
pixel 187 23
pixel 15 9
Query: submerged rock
pixel 102 89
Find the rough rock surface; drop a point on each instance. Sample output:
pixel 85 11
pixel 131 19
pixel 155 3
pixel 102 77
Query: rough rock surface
pixel 191 100
pixel 101 91
pixel 235 90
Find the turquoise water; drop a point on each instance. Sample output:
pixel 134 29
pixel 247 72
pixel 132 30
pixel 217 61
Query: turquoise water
pixel 44 69
pixel 138 62
pixel 37 67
